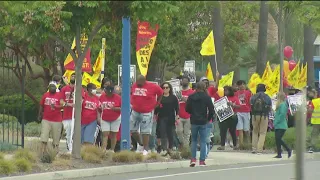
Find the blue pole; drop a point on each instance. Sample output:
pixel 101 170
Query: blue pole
pixel 125 109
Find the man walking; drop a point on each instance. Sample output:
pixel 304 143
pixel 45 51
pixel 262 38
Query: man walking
pixel 261 105
pixel 200 107
pixel 183 126
pixel 143 100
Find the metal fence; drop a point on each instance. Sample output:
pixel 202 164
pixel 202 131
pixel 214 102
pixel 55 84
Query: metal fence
pixel 12 83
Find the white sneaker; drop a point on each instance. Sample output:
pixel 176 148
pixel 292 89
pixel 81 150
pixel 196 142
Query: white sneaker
pixel 163 153
pixel 139 149
pixel 145 152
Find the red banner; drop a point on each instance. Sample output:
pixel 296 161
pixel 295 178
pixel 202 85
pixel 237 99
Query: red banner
pixel 86 65
pixel 146 38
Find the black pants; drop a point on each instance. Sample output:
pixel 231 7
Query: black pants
pixel 165 128
pixel 291 122
pixel 231 124
pixel 279 142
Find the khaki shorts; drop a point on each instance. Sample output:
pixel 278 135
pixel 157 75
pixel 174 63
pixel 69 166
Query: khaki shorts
pixel 53 127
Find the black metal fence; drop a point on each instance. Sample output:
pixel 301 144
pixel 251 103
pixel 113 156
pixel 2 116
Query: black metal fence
pixel 12 83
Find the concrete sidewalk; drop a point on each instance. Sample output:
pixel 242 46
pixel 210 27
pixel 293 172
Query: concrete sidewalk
pixel 215 158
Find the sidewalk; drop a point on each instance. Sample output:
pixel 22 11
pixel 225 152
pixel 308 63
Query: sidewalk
pixel 215 158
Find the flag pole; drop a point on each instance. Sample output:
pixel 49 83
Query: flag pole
pixel 103 57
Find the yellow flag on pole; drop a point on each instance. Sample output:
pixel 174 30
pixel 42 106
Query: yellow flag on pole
pixel 253 82
pixel 226 80
pixel 294 75
pixel 97 67
pixel 209 73
pixel 273 84
pixel 208 47
pixel 302 81
pixel 86 79
pixel 267 73
pixel 67 75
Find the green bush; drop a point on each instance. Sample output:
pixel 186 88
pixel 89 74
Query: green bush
pixel 5 118
pixel 7 167
pixel 127 157
pixel 25 154
pixel 23 165
pixel 5 146
pixel 32 129
pixel 186 153
pixel 1 156
pixel 12 105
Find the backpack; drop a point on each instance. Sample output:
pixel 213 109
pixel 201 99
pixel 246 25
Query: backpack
pixel 259 105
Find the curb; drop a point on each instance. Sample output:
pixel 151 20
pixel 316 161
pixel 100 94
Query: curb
pixel 110 170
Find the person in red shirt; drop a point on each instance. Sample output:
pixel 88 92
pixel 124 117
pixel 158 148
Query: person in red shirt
pixel 111 115
pixel 183 124
pixel 231 122
pixel 67 93
pixel 143 101
pixel 243 114
pixel 89 115
pixel 50 117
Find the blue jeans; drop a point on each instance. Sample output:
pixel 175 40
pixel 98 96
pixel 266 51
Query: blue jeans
pixel 202 131
pixel 87 132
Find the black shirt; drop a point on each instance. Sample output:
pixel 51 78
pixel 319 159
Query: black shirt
pixel 168 108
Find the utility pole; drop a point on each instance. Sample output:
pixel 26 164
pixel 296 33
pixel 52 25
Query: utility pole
pixel 280 44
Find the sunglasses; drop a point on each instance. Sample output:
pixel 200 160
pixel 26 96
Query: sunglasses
pixel 165 87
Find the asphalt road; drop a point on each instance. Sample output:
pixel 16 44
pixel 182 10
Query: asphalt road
pixel 283 170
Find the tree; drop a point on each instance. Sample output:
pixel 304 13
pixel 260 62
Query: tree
pixel 262 38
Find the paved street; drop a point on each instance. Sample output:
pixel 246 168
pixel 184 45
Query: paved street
pixel 281 170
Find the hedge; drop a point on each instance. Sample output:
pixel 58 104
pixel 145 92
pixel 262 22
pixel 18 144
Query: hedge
pixel 11 105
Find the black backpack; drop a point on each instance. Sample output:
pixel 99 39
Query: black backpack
pixel 259 105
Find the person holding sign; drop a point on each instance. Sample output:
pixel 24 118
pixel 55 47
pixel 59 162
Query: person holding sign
pixel 231 122
pixel 183 125
pixel 200 107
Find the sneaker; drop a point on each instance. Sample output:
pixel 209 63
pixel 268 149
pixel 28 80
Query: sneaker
pixel 278 157
pixel 202 163
pixel 253 152
pixel 193 162
pixel 163 153
pixel 139 149
pixel 221 148
pixel 310 150
pixel 289 153
pixel 145 152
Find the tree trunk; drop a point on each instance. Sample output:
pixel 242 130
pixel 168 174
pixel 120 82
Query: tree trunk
pixel 153 70
pixel 262 38
pixel 218 40
pixel 308 52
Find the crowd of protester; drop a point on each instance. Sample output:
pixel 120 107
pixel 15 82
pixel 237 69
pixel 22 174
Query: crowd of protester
pixel 161 123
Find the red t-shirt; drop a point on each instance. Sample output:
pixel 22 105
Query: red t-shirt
pixel 67 94
pixel 49 114
pixel 244 99
pixel 107 102
pixel 144 99
pixel 234 99
pixel 90 107
pixel 182 112
pixel 213 93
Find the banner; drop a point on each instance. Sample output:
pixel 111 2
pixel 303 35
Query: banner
pixel 208 46
pixel 293 77
pixel 226 80
pixel 86 65
pixel 302 81
pixel 273 84
pixel 253 82
pixel 87 78
pixel 222 109
pixel 189 70
pixel 209 73
pixel 176 89
pixel 267 73
pixel 132 74
pixel 146 38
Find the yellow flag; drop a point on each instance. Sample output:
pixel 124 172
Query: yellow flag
pixel 253 82
pixel 267 73
pixel 68 74
pixel 208 47
pixel 209 73
pixel 73 43
pixel 86 79
pixel 294 75
pixel 226 80
pixel 97 67
pixel 302 81
pixel 273 84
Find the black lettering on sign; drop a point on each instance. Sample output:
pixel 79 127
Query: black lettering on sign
pixel 142 59
pixel 150 41
pixel 144 65
pixel 144 52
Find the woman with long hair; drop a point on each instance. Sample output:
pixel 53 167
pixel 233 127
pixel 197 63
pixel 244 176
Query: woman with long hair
pixel 167 113
pixel 231 122
pixel 280 124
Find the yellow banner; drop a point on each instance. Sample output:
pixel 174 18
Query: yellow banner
pixel 208 46
pixel 209 73
pixel 226 80
pixel 294 75
pixel 302 81
pixel 273 84
pixel 267 73
pixel 253 82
